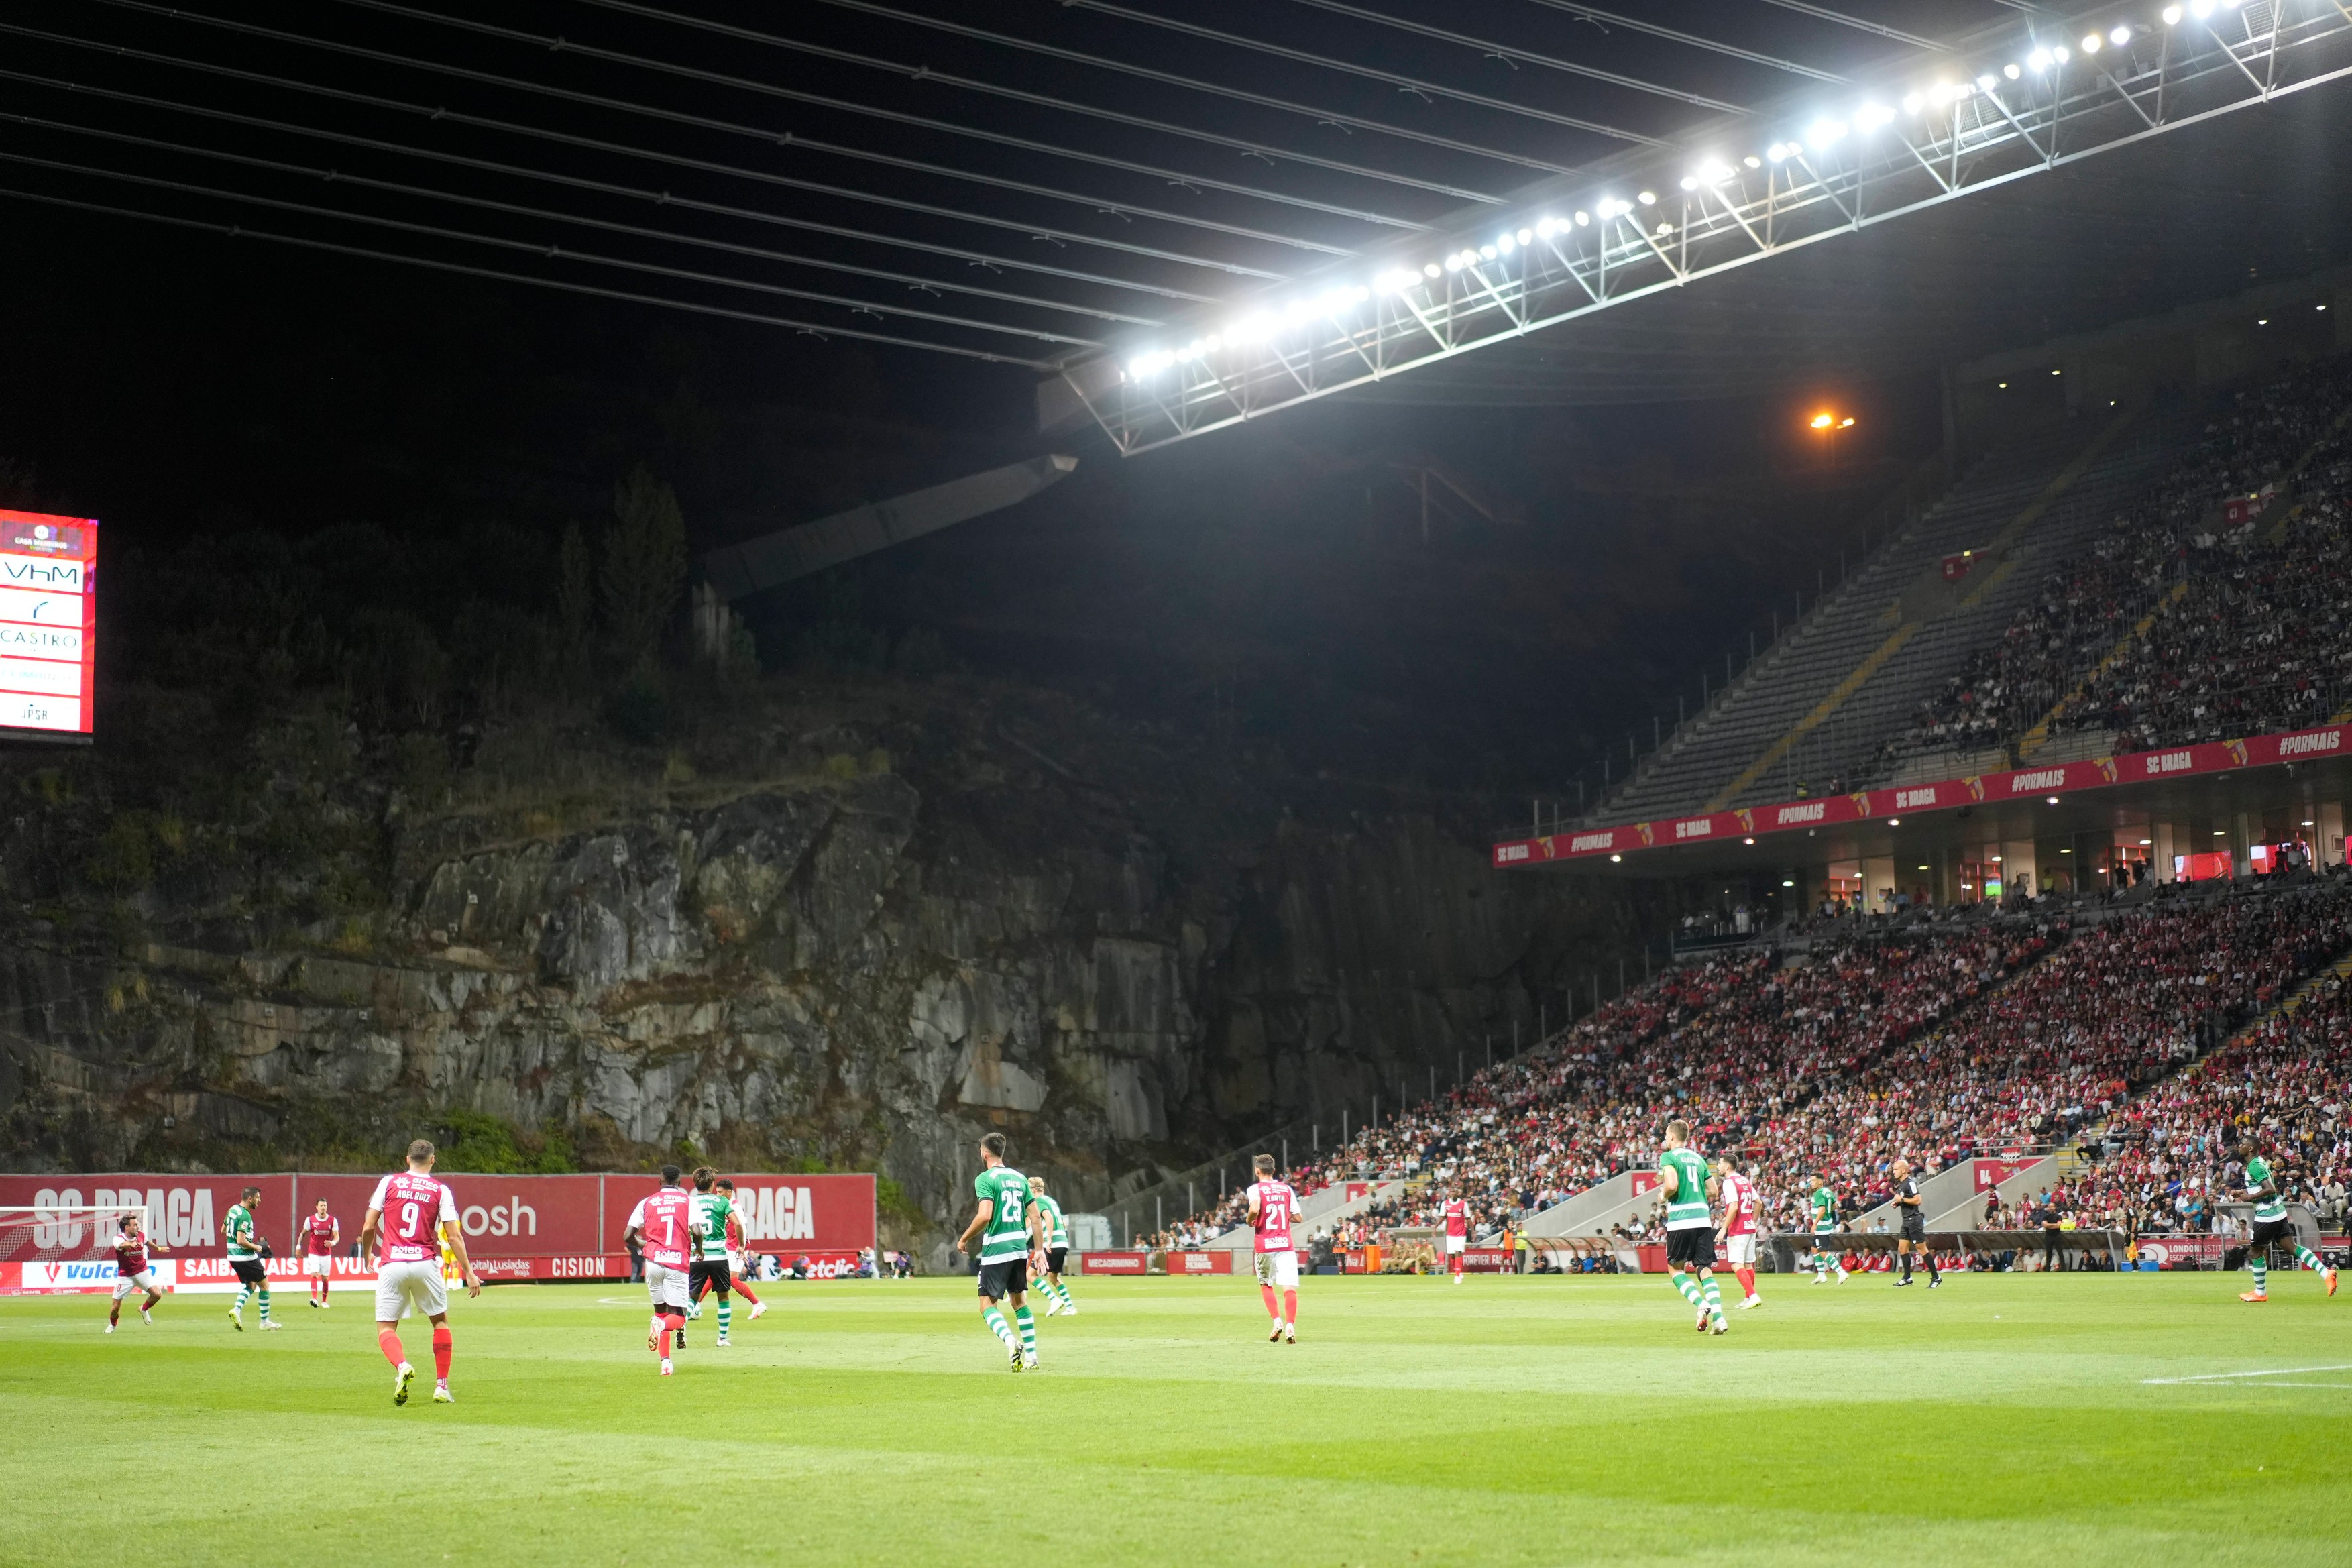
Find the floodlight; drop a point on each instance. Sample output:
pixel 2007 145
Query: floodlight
pixel 1614 858
pixel 1824 133
pixel 1211 344
pixel 1753 161
pixel 2262 322
pixel 2062 54
pixel 1776 152
pixel 1666 228
pixel 2010 72
pixel 1820 421
pixel 1870 116
pixel 2200 9
pixel 1846 423
pixel 1184 355
pixel 1913 102
pixel 1648 198
pixel 1524 235
pixel 2090 43
pixel 1585 218
pixel 1988 81
pixel 2172 15
pixel 2119 36
pixel 1690 182
pixel 1942 93
pixel 1430 269
pixel 1788 882
pixel 2038 60
pixel 1545 226
pixel 1506 244
pixel 1454 262
pixel 1488 251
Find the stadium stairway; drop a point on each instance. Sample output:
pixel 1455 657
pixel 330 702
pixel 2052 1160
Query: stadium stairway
pixel 1808 683
pixel 2038 737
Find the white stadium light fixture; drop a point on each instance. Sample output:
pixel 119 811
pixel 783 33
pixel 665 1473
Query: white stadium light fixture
pixel 2091 43
pixel 1753 161
pixel 2038 60
pixel 1430 269
pixel 1942 93
pixel 2119 36
pixel 1690 182
pixel 1488 251
pixel 1454 262
pixel 1648 198
pixel 1583 218
pixel 1913 102
pixel 1824 133
pixel 1776 152
pixel 1664 229
pixel 2062 54
pixel 1870 116
pixel 1545 226
pixel 2172 15
pixel 1506 244
pixel 1987 83
pixel 2200 9
pixel 2011 72
pixel 1526 236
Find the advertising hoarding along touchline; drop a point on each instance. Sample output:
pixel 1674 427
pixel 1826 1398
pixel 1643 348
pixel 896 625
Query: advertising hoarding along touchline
pixel 48 625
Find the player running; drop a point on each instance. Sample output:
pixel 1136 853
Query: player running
pixel 739 1271
pixel 1914 1239
pixel 661 1227
pixel 247 1258
pixel 413 1215
pixel 1272 1207
pixel 2270 1226
pixel 1823 1204
pixel 1743 1211
pixel 1690 1228
pixel 1057 1251
pixel 1456 1216
pixel 708 1213
pixel 321 1233
pixel 1012 1231
pixel 130 1271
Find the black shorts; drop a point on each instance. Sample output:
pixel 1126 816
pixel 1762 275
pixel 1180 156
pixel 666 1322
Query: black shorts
pixel 1691 1249
pixel 1914 1227
pixel 1009 1278
pixel 708 1274
pixel 2270 1232
pixel 1054 1256
pixel 251 1270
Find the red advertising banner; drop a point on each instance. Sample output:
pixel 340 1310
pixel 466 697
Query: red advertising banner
pixel 1949 795
pixel 1113 1263
pixel 49 622
pixel 786 1216
pixel 1486 1259
pixel 1201 1263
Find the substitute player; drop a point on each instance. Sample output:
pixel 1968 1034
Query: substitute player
pixel 1914 1239
pixel 1743 1212
pixel 1823 1204
pixel 321 1235
pixel 1057 1251
pixel 248 1257
pixel 660 1226
pixel 1012 1232
pixel 737 1266
pixel 130 1271
pixel 411 1214
pixel 1456 1215
pixel 708 1213
pixel 1690 1228
pixel 2272 1226
pixel 1273 1207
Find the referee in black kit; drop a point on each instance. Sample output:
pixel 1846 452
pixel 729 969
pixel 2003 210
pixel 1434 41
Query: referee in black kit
pixel 1914 1237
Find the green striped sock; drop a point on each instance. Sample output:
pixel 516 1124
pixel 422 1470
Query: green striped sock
pixel 2262 1273
pixel 2306 1259
pixel 726 1308
pixel 265 1303
pixel 1713 1297
pixel 244 1298
pixel 1064 1292
pixel 997 1325
pixel 1022 1316
pixel 1690 1291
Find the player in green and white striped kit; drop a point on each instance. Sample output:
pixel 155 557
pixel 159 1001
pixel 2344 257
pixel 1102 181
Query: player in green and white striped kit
pixel 245 1259
pixel 1690 1226
pixel 1822 1202
pixel 1058 1250
pixel 2270 1226
pixel 1011 1228
pixel 706 1221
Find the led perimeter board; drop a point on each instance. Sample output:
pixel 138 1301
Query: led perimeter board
pixel 48 625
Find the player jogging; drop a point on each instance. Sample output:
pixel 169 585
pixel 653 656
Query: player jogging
pixel 1743 1208
pixel 1690 1228
pixel 321 1234
pixel 660 1225
pixel 1825 1205
pixel 708 1213
pixel 411 1213
pixel 1456 1215
pixel 247 1258
pixel 130 1271
pixel 1011 1228
pixel 1057 1251
pixel 1914 1238
pixel 739 1272
pixel 1272 1208
pixel 2272 1226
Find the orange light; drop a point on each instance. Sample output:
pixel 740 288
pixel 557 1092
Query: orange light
pixel 1821 421
pixel 1845 422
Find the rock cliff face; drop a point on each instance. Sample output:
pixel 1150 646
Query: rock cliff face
pixel 846 930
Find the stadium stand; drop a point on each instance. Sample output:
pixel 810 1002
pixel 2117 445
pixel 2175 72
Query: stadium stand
pixel 2173 626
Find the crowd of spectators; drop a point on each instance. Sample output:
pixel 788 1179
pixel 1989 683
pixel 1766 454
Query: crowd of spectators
pixel 1933 1042
pixel 2260 638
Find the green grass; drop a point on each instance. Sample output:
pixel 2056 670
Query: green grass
pixel 1505 1421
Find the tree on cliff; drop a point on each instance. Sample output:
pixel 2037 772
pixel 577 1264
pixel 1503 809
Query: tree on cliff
pixel 644 568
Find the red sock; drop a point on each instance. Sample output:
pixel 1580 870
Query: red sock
pixel 441 1348
pixel 1266 1294
pixel 672 1323
pixel 387 1340
pixel 1290 1306
pixel 115 1316
pixel 322 1290
pixel 1747 1279
pixel 745 1292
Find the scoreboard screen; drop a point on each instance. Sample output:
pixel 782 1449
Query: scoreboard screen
pixel 48 624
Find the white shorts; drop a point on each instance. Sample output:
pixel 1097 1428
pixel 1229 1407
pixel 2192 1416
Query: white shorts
pixel 1455 1243
pixel 124 1284
pixel 1740 1250
pixel 1279 1269
pixel 665 1285
pixel 317 1265
pixel 400 1286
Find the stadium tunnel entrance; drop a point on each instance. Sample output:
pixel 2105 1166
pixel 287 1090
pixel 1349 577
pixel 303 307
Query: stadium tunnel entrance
pixel 2131 838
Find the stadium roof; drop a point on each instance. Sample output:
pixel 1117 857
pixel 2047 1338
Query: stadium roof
pixel 1047 185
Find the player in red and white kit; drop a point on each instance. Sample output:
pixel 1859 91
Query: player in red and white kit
pixel 411 1213
pixel 1743 1215
pixel 1272 1208
pixel 130 1271
pixel 321 1233
pixel 661 1225
pixel 736 1272
pixel 1456 1215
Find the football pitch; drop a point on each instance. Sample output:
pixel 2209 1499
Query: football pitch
pixel 2018 1419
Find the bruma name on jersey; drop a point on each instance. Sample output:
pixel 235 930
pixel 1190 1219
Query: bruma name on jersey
pixel 1277 1206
